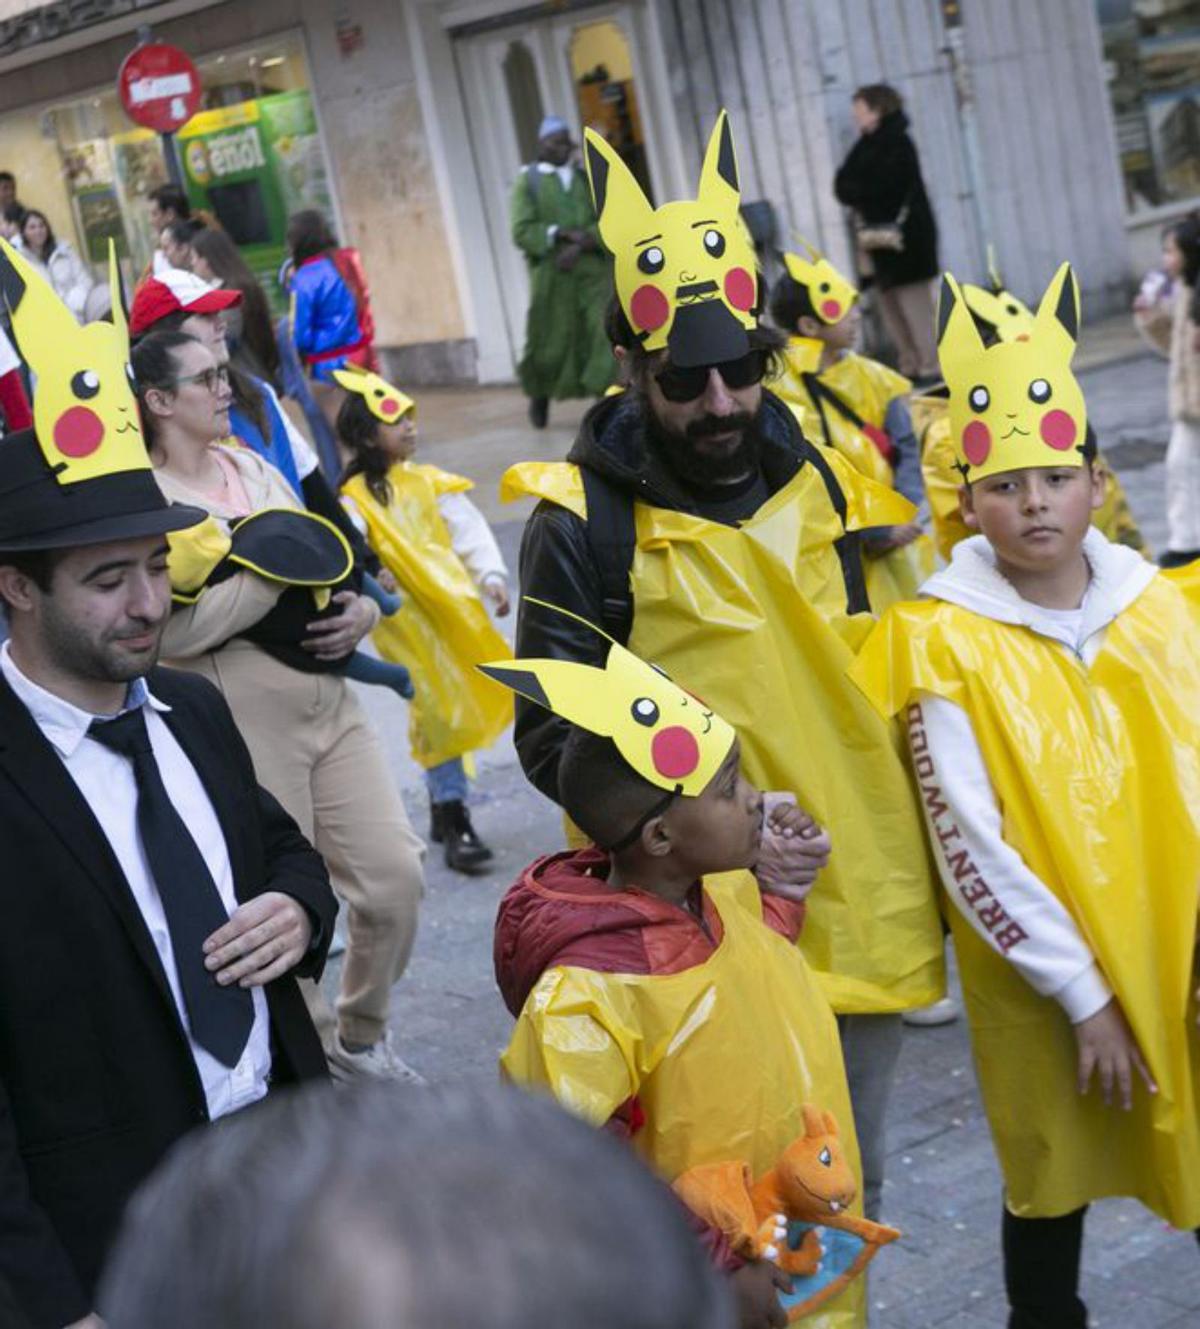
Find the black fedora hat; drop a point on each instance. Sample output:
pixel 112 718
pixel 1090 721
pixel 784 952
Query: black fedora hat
pixel 37 512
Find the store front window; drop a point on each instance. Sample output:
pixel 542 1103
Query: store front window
pixel 250 158
pixel 1152 61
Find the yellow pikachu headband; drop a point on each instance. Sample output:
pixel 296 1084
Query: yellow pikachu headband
pixel 385 402
pixel 1014 405
pixel 84 410
pixel 667 736
pixel 829 293
pixel 685 272
pixel 997 308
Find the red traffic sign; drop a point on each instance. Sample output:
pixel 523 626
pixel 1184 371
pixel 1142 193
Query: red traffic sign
pixel 159 87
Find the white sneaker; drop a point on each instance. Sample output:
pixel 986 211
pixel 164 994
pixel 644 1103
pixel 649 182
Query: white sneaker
pixel 380 1061
pixel 938 1012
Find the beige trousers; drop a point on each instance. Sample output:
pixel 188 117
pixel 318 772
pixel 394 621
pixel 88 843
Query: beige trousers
pixel 908 314
pixel 314 749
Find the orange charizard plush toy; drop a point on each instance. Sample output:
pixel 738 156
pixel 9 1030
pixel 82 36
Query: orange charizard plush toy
pixel 796 1214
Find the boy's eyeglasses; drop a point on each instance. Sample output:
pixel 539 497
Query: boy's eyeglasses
pixel 681 385
pixel 209 378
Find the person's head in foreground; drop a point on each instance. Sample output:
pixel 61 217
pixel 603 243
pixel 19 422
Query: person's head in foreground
pixel 1022 444
pixel 688 333
pixel 378 1207
pixel 649 772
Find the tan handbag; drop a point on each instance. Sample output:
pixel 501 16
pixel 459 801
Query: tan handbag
pixel 883 235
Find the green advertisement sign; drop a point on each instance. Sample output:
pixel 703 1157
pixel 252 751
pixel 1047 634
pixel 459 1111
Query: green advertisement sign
pixel 252 166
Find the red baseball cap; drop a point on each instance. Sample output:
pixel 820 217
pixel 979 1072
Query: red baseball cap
pixel 172 290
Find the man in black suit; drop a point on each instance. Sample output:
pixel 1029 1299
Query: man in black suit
pixel 157 903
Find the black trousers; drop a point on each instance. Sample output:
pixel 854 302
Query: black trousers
pixel 1041 1271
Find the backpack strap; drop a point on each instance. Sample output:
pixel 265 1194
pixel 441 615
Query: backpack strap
pixel 533 181
pixel 848 545
pixel 821 393
pixel 611 535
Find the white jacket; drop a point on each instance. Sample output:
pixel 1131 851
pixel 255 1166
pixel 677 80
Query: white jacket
pixel 1053 957
pixel 68 274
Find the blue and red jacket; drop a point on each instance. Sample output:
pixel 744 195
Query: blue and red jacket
pixel 326 326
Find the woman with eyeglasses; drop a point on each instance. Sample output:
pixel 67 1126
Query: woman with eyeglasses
pixel 312 745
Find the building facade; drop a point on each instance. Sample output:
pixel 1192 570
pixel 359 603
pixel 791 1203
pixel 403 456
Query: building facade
pixel 1047 128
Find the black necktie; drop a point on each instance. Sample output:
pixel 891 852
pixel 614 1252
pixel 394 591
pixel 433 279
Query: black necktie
pixel 219 1017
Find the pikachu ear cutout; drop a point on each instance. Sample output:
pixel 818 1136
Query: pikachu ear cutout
pixel 959 342
pixel 623 213
pixel 993 269
pixel 120 310
pixel 524 682
pixel 719 175
pixel 800 270
pixel 352 379
pixel 1056 323
pixel 42 325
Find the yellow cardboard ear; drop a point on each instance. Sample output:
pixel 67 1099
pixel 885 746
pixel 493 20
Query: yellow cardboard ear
pixel 667 736
pixel 84 411
pixel 1015 405
pixel 685 272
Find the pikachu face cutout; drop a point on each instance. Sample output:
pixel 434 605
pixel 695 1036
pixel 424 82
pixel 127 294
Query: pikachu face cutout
pixel 1016 404
pixel 85 413
pixel 385 402
pixel 829 293
pixel 668 736
pixel 685 272
pixel 1001 310
pixel 997 308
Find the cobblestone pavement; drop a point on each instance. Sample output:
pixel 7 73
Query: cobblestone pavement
pixel 943 1187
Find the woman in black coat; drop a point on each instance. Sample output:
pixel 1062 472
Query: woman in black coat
pixel 881 180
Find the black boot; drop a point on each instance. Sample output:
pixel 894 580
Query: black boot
pixel 450 825
pixel 539 411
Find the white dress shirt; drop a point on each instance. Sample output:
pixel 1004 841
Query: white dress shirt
pixel 106 781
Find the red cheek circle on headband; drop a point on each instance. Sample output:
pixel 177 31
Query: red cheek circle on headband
pixel 832 310
pixel 389 406
pixel 739 288
pixel 1058 430
pixel 649 308
pixel 675 752
pixel 977 442
pixel 78 432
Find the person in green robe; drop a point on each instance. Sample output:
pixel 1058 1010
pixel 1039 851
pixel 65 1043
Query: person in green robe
pixel 570 277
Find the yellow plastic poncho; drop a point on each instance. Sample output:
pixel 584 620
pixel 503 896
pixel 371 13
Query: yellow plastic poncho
pixel 867 387
pixel 1097 774
pixel 753 619
pixel 942 482
pixel 442 629
pixel 721 1056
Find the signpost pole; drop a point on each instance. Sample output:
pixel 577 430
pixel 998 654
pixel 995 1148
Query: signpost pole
pixel 171 157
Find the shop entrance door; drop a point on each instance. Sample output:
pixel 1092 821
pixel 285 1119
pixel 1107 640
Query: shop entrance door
pixel 584 67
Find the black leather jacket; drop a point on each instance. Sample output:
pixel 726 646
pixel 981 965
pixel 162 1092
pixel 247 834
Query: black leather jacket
pixel 559 564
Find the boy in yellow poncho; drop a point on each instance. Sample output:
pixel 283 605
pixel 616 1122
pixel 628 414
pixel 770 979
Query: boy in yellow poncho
pixel 855 405
pixel 659 995
pixel 1050 680
pixel 442 556
pixel 999 316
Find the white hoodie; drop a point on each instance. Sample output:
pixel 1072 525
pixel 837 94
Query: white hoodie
pixel 1053 956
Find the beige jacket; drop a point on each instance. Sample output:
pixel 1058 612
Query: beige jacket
pixel 233 605
pixel 1169 330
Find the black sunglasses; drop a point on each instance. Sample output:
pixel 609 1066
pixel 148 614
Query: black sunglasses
pixel 679 385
